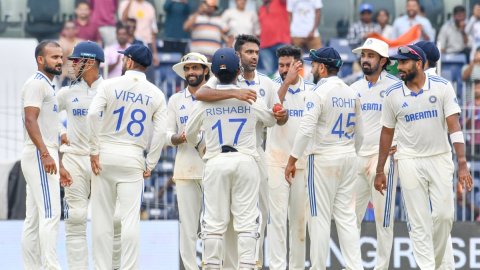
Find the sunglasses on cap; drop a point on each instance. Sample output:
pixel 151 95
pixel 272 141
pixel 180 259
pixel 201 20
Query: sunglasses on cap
pixel 189 57
pixel 406 49
pixel 77 60
pixel 328 61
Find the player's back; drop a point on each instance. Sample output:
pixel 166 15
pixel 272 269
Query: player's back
pixel 336 123
pixel 131 102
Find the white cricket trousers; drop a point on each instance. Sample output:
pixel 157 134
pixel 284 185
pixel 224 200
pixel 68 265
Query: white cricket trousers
pixel 330 183
pixel 75 213
pixel 384 205
pixel 40 228
pixel 287 204
pixel 126 183
pixel 427 188
pixel 230 186
pixel 189 197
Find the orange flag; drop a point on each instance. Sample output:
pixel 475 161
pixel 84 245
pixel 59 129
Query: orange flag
pixel 408 37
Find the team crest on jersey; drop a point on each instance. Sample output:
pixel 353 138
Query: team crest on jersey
pixel 432 99
pixel 382 93
pixel 309 105
pixel 262 92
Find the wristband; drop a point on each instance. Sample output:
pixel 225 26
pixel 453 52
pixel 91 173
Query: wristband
pixel 457 137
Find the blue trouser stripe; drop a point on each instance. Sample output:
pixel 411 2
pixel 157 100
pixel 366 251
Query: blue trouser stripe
pixel 44 184
pixel 406 213
pixel 311 186
pixel 388 198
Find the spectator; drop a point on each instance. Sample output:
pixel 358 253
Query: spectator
pixel 240 21
pixel 473 124
pixel 114 59
pixel 473 27
pixel 103 16
pixel 207 29
pixel 275 33
pixel 304 16
pixel 146 27
pixel 404 23
pixel 131 25
pixel 452 36
pixel 68 39
pixel 86 29
pixel 177 12
pixel 360 30
pixel 383 18
pixel 471 71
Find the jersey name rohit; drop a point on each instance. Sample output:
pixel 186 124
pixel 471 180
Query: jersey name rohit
pixel 343 102
pixel 128 96
pixel 227 110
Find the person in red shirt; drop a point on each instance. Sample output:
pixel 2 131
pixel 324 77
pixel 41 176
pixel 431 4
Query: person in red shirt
pixel 87 30
pixel 103 16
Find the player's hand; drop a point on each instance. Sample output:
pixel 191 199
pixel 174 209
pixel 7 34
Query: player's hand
pixel 179 138
pixel 380 182
pixel 464 177
pixel 392 150
pixel 65 177
pixel 64 139
pixel 147 173
pixel 95 163
pixel 49 164
pixel 280 115
pixel 247 95
pixel 293 71
pixel 290 170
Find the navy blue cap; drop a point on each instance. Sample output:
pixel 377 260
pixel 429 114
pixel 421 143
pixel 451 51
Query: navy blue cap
pixel 409 52
pixel 326 55
pixel 225 59
pixel 431 51
pixel 139 53
pixel 87 49
pixel 366 7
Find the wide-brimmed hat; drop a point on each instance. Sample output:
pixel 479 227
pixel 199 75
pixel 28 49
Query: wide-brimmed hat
pixel 376 45
pixel 191 58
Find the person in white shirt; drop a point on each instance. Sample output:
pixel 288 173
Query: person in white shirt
pixel 247 47
pixel 231 178
pixel 40 160
pixel 240 21
pixel 126 115
pixel 304 16
pixel 194 68
pixel 330 128
pixel 402 24
pixel 287 202
pixel 421 110
pixel 75 101
pixel 371 92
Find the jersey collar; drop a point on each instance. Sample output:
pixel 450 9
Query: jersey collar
pixel 382 75
pixel 41 74
pixel 227 86
pixel 426 87
pixel 294 88
pixel 255 80
pixel 136 74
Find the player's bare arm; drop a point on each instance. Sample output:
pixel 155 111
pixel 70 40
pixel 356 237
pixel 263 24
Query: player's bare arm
pixel 65 177
pixel 31 125
pixel 386 138
pixel 209 94
pixel 456 136
pixel 290 169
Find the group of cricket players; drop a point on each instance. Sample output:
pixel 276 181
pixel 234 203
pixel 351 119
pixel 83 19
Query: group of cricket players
pixel 253 155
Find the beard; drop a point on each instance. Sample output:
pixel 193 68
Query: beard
pixel 316 78
pixel 408 76
pixel 53 70
pixel 369 70
pixel 283 76
pixel 195 81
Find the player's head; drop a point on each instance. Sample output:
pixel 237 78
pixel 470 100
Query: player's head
pixel 326 62
pixel 194 68
pixel 287 55
pixel 411 60
pixel 226 65
pixel 431 52
pixel 85 58
pixel 373 56
pixel 137 57
pixel 48 55
pixel 247 48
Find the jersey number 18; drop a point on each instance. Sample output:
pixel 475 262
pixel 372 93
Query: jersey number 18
pixel 136 119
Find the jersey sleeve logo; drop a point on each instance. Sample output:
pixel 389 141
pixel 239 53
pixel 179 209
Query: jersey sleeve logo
pixel 310 105
pixel 432 99
pixel 382 93
pixel 262 92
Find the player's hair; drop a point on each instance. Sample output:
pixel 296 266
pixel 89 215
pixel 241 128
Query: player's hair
pixel 242 39
pixel 226 77
pixel 41 46
pixel 82 2
pixel 331 70
pixel 289 50
pixel 459 9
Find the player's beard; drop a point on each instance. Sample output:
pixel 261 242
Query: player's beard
pixel 408 75
pixel 53 70
pixel 316 78
pixel 369 70
pixel 124 67
pixel 283 76
pixel 198 80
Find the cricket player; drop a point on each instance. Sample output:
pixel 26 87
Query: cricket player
pixel 127 114
pixel 421 110
pixel 40 160
pixel 231 178
pixel 430 67
pixel 287 202
pixel 194 68
pixel 371 92
pixel 247 47
pixel 330 122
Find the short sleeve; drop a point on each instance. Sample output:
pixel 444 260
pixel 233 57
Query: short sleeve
pixel 450 102
pixel 61 98
pixel 388 115
pixel 318 4
pixel 34 94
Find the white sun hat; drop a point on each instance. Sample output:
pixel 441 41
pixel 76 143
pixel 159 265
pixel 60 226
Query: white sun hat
pixel 191 58
pixel 376 45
